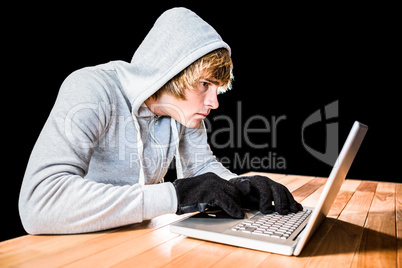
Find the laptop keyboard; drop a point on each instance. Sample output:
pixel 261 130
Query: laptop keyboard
pixel 273 225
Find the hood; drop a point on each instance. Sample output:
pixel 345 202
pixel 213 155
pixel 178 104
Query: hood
pixel 177 39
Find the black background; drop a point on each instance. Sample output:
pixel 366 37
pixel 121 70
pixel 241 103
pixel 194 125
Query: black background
pixel 289 60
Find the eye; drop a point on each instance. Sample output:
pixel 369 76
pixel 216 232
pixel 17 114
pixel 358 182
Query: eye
pixel 204 84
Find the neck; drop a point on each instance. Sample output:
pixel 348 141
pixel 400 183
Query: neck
pixel 155 106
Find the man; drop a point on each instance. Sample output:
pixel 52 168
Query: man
pixel 100 159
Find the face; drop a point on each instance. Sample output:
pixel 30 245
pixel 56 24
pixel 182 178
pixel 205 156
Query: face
pixel 196 107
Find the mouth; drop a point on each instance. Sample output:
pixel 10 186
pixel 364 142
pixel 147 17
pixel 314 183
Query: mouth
pixel 202 114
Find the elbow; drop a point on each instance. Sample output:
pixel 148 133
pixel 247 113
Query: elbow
pixel 32 216
pixel 35 209
pixel 37 222
pixel 30 227
pixel 30 222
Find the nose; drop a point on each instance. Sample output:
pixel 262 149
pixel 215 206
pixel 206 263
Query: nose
pixel 212 99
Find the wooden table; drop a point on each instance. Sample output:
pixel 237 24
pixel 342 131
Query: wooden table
pixel 363 228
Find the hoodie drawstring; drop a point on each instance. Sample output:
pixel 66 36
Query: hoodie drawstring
pixel 140 150
pixel 179 169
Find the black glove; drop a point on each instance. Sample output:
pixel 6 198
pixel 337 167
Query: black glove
pixel 196 193
pixel 258 192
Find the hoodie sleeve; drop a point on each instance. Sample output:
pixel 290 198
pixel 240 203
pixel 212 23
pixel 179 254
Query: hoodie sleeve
pixel 196 155
pixel 55 196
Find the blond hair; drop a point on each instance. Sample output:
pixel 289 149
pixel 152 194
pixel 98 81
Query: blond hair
pixel 216 64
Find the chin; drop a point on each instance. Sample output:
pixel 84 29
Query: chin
pixel 193 124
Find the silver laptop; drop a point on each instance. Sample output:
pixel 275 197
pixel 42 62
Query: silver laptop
pixel 282 234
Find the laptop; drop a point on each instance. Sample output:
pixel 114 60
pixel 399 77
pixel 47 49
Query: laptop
pixel 281 234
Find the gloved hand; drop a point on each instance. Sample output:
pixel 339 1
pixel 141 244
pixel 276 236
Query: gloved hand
pixel 196 193
pixel 258 192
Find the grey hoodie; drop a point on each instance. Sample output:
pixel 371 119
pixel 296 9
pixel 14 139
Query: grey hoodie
pixel 100 159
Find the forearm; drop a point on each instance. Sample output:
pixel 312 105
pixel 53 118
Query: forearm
pixel 211 164
pixel 72 204
pixel 197 157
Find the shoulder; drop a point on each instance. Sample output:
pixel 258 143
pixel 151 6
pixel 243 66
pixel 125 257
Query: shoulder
pixel 90 84
pixel 91 77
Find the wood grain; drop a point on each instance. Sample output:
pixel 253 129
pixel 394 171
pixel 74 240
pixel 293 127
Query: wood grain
pixel 363 229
